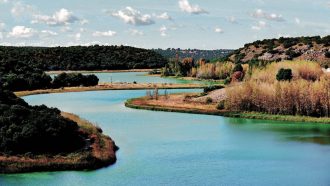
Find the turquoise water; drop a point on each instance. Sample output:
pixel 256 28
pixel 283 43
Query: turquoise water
pixel 160 148
pixel 139 77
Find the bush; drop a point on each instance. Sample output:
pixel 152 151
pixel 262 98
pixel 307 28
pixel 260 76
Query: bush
pixel 74 79
pixel 212 87
pixel 238 67
pixel 327 54
pixel 227 81
pixel 284 75
pixel 221 105
pixel 209 100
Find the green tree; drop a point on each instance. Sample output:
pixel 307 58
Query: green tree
pixel 284 75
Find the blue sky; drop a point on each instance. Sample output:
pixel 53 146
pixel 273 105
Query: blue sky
pixel 207 24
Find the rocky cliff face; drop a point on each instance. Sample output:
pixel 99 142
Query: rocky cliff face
pixel 301 48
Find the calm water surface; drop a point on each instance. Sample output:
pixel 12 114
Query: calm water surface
pixel 160 148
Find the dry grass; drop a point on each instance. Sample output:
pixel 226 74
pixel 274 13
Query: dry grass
pixel 308 93
pixel 301 70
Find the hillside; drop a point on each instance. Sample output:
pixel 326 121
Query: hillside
pixel 299 48
pixel 194 53
pixel 83 57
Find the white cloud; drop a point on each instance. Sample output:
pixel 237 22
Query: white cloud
pixel 260 25
pixel 22 32
pixel 135 32
pixel 4 1
pixel 164 16
pixel 134 17
pixel 109 33
pixel 77 36
pixel 20 8
pixel 84 21
pixel 163 31
pixel 48 33
pixel 2 26
pixel 283 35
pixel 82 30
pixel 218 30
pixel 232 19
pixel 297 20
pixel 1 35
pixel 61 17
pixel 270 16
pixel 185 6
pixel 66 29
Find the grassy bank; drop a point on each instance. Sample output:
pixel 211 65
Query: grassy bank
pixel 99 152
pixel 113 86
pixel 210 109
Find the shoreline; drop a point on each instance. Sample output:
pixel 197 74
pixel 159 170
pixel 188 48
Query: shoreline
pixel 96 71
pixel 100 153
pixel 211 81
pixel 146 104
pixel 113 86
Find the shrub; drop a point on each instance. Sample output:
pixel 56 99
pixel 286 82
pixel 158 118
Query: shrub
pixel 237 76
pixel 238 67
pixel 284 75
pixel 221 105
pixel 327 54
pixel 209 100
pixel 227 81
pixel 212 87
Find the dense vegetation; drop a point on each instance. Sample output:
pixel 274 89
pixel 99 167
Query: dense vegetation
pixel 74 79
pixel 83 57
pixel 35 129
pixel 194 53
pixel 18 76
pixel 307 94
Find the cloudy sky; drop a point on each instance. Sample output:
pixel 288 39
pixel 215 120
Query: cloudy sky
pixel 203 24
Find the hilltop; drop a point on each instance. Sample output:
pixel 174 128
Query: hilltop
pixel 314 48
pixel 194 53
pixel 83 57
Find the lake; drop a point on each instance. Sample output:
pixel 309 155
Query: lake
pixel 162 148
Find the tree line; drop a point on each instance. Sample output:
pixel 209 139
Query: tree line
pixel 18 76
pixel 84 57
